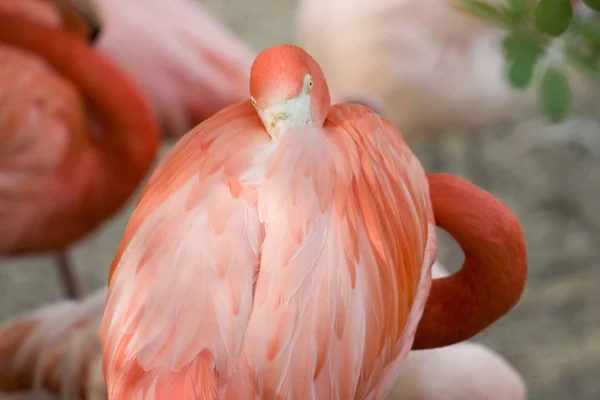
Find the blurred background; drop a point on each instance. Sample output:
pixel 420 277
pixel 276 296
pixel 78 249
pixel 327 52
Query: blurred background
pixel 548 174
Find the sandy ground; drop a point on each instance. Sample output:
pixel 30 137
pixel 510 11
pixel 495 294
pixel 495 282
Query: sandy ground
pixel 549 176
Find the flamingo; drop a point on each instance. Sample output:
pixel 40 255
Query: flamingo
pixel 283 248
pixel 71 153
pixel 432 68
pixel 57 347
pixel 188 63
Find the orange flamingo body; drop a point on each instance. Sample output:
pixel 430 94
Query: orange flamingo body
pixel 65 167
pixel 286 251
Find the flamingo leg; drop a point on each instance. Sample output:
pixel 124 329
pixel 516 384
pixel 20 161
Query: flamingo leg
pixel 71 284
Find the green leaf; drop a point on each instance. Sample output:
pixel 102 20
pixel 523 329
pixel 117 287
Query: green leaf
pixel 584 59
pixel 590 30
pixel 593 4
pixel 555 94
pixel 553 16
pixel 518 9
pixel 521 51
pixel 485 10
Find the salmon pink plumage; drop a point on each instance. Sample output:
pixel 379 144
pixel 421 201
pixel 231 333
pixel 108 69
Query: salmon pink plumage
pixel 283 249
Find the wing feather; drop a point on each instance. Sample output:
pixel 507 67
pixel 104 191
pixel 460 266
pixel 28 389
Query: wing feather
pixel 343 266
pixel 181 285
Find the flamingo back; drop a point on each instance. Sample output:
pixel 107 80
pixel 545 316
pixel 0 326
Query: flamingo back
pixel 345 262
pixel 301 265
pixel 171 47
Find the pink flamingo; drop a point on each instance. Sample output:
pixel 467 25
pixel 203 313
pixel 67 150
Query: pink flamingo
pixel 284 246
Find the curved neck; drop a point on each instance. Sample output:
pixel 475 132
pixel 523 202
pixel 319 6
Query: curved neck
pixel 127 140
pixel 494 272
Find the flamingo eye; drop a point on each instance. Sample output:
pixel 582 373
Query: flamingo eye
pixel 253 103
pixel 308 83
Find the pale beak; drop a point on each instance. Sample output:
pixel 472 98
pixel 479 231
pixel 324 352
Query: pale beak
pixel 277 118
pixel 81 17
pixel 273 122
pixel 285 115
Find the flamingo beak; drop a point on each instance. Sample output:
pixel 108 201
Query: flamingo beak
pixel 275 123
pixel 81 17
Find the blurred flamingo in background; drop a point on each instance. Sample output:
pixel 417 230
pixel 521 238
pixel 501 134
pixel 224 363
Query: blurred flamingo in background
pixel 76 139
pixel 188 62
pixel 332 219
pixel 463 371
pixel 58 348
pixel 433 68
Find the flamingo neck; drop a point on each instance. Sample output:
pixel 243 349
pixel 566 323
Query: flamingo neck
pixel 493 274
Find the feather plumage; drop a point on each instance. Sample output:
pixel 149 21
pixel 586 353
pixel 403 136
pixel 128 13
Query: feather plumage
pixel 340 222
pixel 182 292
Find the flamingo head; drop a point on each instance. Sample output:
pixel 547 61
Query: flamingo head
pixel 81 16
pixel 288 89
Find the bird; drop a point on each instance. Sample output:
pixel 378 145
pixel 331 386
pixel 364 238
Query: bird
pixel 187 61
pixel 56 348
pixel 465 370
pixel 291 241
pixel 433 69
pixel 77 137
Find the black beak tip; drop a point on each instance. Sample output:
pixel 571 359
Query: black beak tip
pixel 95 31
